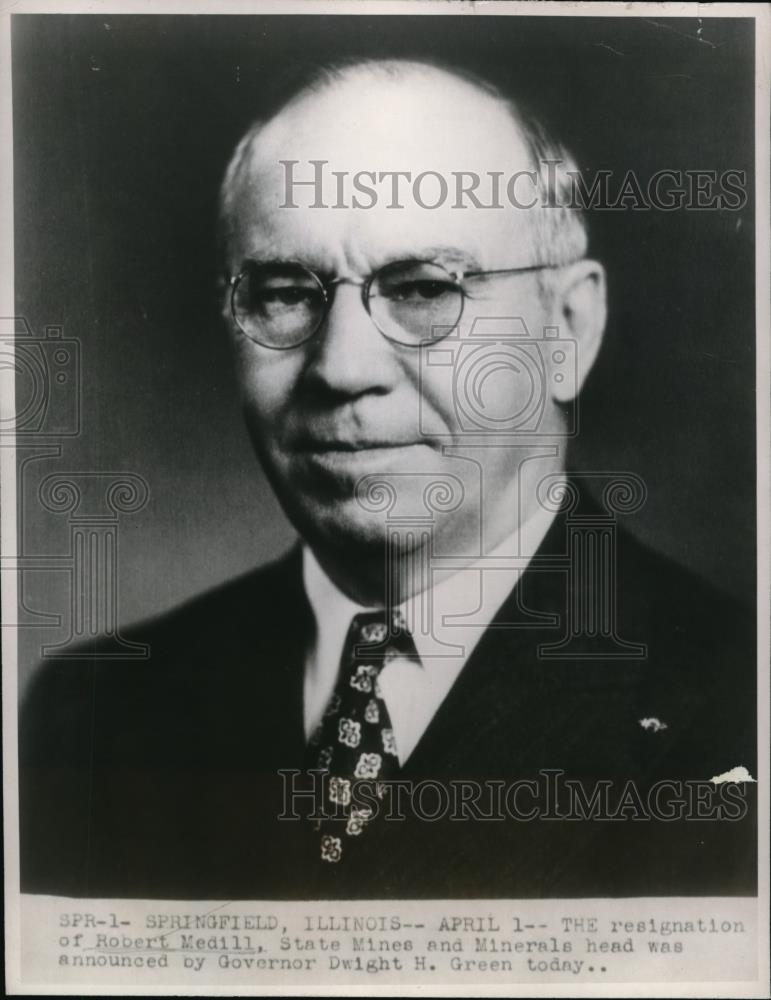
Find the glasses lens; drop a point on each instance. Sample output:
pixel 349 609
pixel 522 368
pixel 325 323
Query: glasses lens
pixel 415 301
pixel 278 305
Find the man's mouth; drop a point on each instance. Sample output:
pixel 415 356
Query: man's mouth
pixel 347 459
pixel 322 445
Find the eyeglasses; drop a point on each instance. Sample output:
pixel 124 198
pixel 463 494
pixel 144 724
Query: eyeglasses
pixel 282 304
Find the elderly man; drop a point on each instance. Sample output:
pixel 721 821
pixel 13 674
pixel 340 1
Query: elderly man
pixel 388 710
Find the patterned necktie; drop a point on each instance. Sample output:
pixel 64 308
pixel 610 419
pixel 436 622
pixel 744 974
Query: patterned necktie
pixel 355 740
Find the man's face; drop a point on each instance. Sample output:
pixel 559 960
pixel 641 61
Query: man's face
pixel 348 408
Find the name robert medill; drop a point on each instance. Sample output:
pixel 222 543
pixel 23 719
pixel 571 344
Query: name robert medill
pixel 214 942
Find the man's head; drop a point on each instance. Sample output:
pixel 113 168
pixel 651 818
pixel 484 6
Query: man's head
pixel 348 404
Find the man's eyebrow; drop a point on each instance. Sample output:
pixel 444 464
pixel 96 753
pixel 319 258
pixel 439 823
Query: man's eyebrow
pixel 269 255
pixel 271 258
pixel 443 254
pixel 449 255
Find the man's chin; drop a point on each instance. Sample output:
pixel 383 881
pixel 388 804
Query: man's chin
pixel 342 524
pixel 350 504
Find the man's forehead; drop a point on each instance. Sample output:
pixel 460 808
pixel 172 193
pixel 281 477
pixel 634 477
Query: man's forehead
pixel 361 249
pixel 420 120
pixel 368 131
pixel 332 240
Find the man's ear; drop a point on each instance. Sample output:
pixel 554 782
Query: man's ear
pixel 580 308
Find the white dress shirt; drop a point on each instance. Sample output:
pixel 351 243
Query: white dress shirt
pixel 446 622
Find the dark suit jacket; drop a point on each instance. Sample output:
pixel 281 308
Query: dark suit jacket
pixel 159 778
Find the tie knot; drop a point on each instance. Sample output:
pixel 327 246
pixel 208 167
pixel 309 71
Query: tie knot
pixel 381 634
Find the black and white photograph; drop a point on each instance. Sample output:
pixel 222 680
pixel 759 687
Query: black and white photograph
pixel 385 498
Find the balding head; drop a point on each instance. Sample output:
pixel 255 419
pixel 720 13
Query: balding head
pixel 394 114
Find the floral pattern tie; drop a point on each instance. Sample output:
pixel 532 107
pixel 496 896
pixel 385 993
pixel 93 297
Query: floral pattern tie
pixel 355 740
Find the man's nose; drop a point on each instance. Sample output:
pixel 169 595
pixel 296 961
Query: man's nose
pixel 350 356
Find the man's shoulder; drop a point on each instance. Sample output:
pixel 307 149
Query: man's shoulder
pixel 611 571
pixel 176 660
pixel 676 598
pixel 257 603
pixel 262 598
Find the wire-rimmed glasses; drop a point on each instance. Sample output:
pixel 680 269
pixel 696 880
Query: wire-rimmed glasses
pixel 283 304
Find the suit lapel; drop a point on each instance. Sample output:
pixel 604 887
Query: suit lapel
pixel 498 678
pixel 511 712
